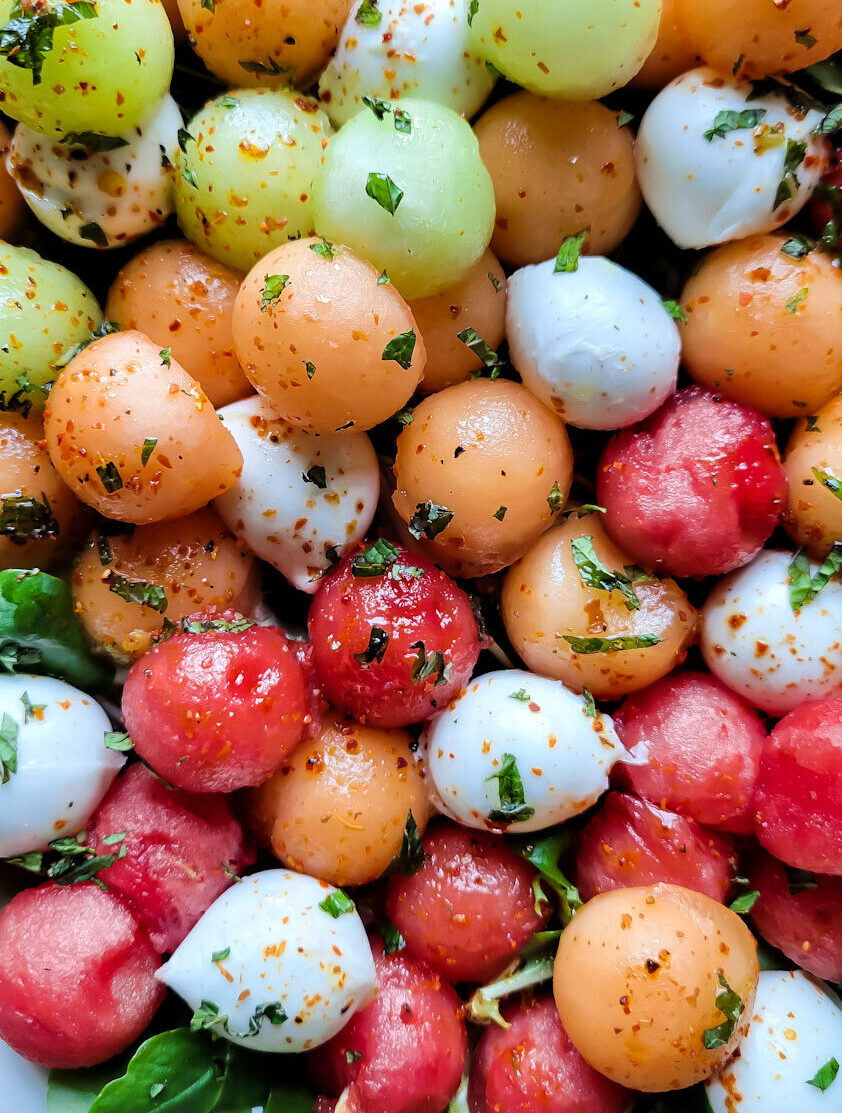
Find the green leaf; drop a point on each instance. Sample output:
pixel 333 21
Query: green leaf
pixel 375 561
pixel 805 39
pixel 310 368
pixel 118 740
pixel 403 121
pixel 537 960
pixel 27 39
pixel 8 748
pixel 796 247
pixel 23 518
pixel 182 1061
pixel 209 6
pixel 545 852
pixel 337 904
pixel 411 856
pixel 382 189
pixel 610 645
pixel 39 630
pixel 148 448
pixel 567 259
pixel 425 666
pixel 829 481
pixel 674 309
pixel 429 519
pixel 473 8
pixel 289 1098
pixel 555 499
pixel 400 349
pixel 270 66
pixel 803 588
pixel 745 902
pixel 378 641
pixel 495 282
pixel 74 1091
pixel 797 299
pixel 513 807
pixel 590 704
pixel 92 231
pixel 521 695
pixel 94 142
pixel 624 118
pixel 317 476
pixel 593 573
pixel 393 941
pixel 731 1007
pixel 110 477
pixel 728 121
pixel 825 1076
pixel 324 249
pixel 367 14
pixel 166 356
pixel 472 339
pixel 795 152
pixel 377 106
pixel 274 286
pixel 138 591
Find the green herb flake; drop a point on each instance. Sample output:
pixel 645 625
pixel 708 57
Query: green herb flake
pixel 220 956
pixel 610 645
pixel 337 904
pixel 403 121
pixel 324 249
pixel 206 1017
pixel 411 856
pixel 674 309
pixel 317 476
pixel 624 119
pixel 555 499
pixel 593 573
pixel 229 102
pixel 473 8
pixel 23 519
pixel 8 748
pixel 380 188
pixel 744 902
pixel 728 121
pixel 27 39
pixel 93 232
pixel 93 142
pixel 400 348
pixel 110 477
pixel 377 106
pixel 166 356
pixel 829 481
pixel 272 1011
pixel 472 339
pixel 788 187
pixel 731 1007
pixel 812 425
pixel 590 704
pixel 805 39
pixel 310 368
pixel 405 416
pixel 274 286
pixel 209 6
pixel 738 65
pixel 429 520
pixel 378 641
pixel 77 862
pixel 353 1056
pixel 567 259
pixel 513 807
pixel 495 282
pixel 375 561
pixel 500 513
pixel 119 741
pixel 31 710
pixel 393 941
pixel 383 279
pixel 424 666
pixel 521 695
pixel 367 14
pixel 147 450
pixel 796 300
pixel 138 591
pixel 270 66
pixel 803 587
pixel 796 247
pixel 825 1076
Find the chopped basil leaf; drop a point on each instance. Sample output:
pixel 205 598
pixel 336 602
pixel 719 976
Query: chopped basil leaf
pixel 23 518
pixel 92 231
pixel 105 328
pixel 206 1016
pixel 825 1076
pixel 610 645
pixel 588 508
pixel 324 249
pixel 411 856
pixel 184 137
pixel 593 573
pixel 110 477
pixel 744 902
pixel 209 5
pixel 405 416
pixel 272 1011
pixel 270 66
pixel 674 309
pixel 731 1007
pixel 400 348
pixel 423 667
pixel 27 39
pixel 799 880
pixel 555 499
pixel 795 152
pixel 471 339
pixel 500 513
pixel 829 481
pixel 544 852
pixel 147 450
pixel 337 904
pixel 803 588
pixel 805 39
pixel 138 591
pixel 832 121
pixel 31 710
pixel 521 695
pixel 377 106
pixel 367 14
pixel 77 862
pixel 382 189
pixel 513 807
pixel 353 1056
pixel 495 281
pixel 220 956
pixel 228 101
pixel 118 740
pixel 8 748
pixel 567 259
pixel 375 560
pixel 403 121
pixel 738 65
pixel 378 640
pixel 429 519
pixel 17 658
pixel 383 279
pixel 216 625
pixel 274 286
pixel 392 939
pixel 796 247
pixel 94 142
pixel 317 476
pixel 590 704
pixel 624 118
pixel 166 356
pixel 473 8
pixel 728 121
pixel 796 300
pixel 310 368
pixel 812 424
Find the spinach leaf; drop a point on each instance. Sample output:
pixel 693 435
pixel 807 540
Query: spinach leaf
pixel 184 1063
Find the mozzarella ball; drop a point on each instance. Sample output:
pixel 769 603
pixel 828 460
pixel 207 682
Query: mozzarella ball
pixel 493 458
pixel 557 168
pixel 338 806
pixel 285 953
pixel 595 344
pixel 301 500
pixel 814 516
pixel 763 328
pixel 62 768
pixel 672 54
pixel 183 300
pixel 413 50
pixel 754 642
pixel 27 472
pixel 545 600
pixel 248 43
pixel 11 202
pixel 134 436
pixel 705 191
pixel 194 563
pixel 105 198
pixel 512 726
pixel 571 50
pixel 478 302
pixel 641 978
pixel 768 37
pixel 796 1029
pixel 327 345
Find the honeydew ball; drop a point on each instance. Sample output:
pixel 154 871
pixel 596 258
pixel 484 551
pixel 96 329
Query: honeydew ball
pixel 574 49
pixel 243 181
pixel 101 73
pixel 45 311
pixel 408 192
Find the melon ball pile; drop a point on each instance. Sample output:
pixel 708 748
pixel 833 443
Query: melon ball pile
pixel 421 555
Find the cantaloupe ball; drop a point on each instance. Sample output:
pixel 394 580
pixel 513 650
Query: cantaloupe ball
pixel 134 436
pixel 184 300
pixel 126 585
pixel 813 464
pixel 672 53
pixel 328 345
pixel 557 168
pixel 764 328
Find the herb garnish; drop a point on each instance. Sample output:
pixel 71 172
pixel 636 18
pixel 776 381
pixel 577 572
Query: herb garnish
pixel 513 807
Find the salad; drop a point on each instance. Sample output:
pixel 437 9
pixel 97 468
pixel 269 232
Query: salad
pixel 421 555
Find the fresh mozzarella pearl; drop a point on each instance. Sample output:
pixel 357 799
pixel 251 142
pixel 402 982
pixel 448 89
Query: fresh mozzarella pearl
pixel 63 766
pixel 796 1027
pixel 704 192
pixel 283 950
pixel 284 519
pixel 415 50
pixel 754 643
pixel 563 756
pixel 126 192
pixel 594 344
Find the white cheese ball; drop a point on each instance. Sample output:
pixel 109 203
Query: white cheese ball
pixel 100 199
pixel 595 344
pixel 283 951
pixel 415 50
pixel 796 1028
pixel 562 755
pixel 287 520
pixel 754 642
pixel 705 192
pixel 63 766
